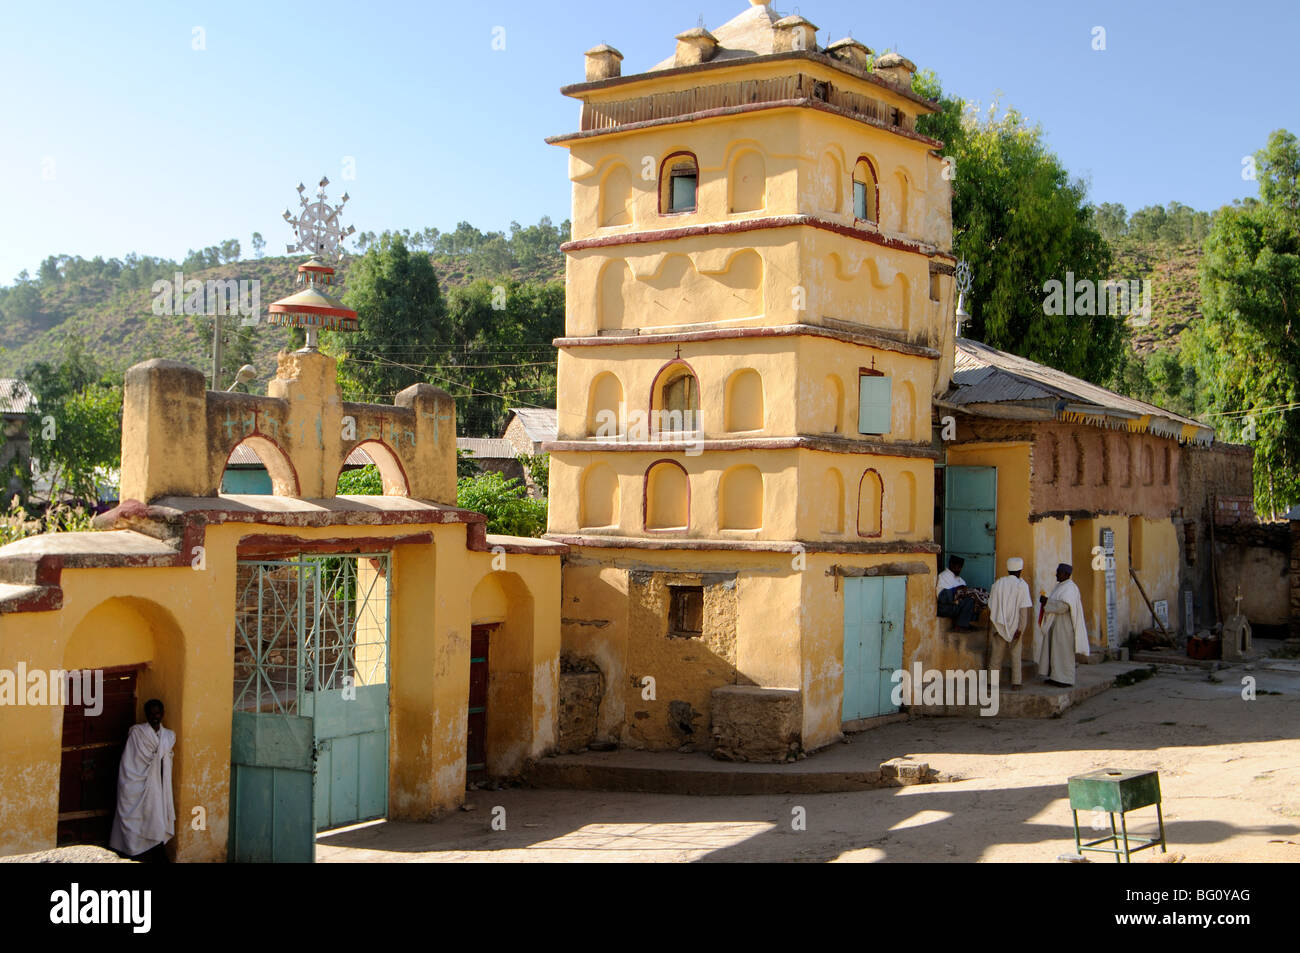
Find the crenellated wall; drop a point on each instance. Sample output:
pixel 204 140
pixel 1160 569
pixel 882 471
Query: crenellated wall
pixel 177 435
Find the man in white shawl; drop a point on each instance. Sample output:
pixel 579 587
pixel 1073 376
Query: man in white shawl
pixel 146 811
pixel 1009 605
pixel 1064 633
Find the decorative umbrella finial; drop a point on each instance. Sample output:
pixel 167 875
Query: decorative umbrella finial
pixel 320 235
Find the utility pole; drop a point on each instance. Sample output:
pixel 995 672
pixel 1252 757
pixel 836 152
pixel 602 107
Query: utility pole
pixel 216 352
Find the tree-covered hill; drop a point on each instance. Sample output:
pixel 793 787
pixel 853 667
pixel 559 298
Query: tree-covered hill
pixel 107 304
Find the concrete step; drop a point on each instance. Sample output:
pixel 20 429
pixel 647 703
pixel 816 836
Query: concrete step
pixel 668 772
pixel 1036 699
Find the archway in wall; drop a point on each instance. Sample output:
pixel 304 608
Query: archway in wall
pixel 870 502
pixel 257 465
pixel 309 747
pixel 743 400
pixel 675 400
pixel 501 684
pixel 375 453
pixel 667 496
pixel 606 412
pixel 832 503
pixel 616 193
pixel 599 501
pixel 740 498
pixel 747 182
pixel 137 648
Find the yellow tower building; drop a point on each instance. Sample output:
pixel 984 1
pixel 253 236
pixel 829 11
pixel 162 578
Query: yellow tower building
pixel 759 286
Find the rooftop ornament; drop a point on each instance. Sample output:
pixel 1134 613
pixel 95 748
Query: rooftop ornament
pixel 319 233
pixel 963 278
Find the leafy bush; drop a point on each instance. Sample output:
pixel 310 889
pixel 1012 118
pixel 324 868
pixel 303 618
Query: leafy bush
pixel 506 504
pixel 538 467
pixel 364 481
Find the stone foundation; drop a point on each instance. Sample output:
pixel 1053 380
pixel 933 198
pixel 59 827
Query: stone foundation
pixel 580 695
pixel 756 724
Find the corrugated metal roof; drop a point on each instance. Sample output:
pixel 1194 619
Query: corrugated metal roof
pixel 245 456
pixel 540 423
pixel 15 396
pixel 487 447
pixel 985 375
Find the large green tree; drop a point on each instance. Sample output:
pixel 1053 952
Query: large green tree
pixel 76 430
pixel 1021 221
pixel 505 359
pixel 403 322
pixel 1246 348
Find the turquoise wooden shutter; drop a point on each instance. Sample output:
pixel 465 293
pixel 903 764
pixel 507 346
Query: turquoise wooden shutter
pixel 874 409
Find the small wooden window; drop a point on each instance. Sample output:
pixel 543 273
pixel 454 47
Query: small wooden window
pixel 681 401
pixel 685 612
pixel 679 184
pixel 865 192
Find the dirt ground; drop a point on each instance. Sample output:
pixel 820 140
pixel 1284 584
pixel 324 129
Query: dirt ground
pixel 1229 774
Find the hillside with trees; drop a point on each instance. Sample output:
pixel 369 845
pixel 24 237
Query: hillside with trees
pixel 106 308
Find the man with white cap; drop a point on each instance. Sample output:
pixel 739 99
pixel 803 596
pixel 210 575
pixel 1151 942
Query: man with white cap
pixel 1009 605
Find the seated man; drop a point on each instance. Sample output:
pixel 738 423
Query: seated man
pixel 956 599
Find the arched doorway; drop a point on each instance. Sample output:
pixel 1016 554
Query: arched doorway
pixel 123 652
pixel 501 677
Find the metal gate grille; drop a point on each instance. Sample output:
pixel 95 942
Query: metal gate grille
pixel 309 733
pixel 312 624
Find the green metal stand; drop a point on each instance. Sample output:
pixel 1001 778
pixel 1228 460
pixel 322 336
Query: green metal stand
pixel 1116 791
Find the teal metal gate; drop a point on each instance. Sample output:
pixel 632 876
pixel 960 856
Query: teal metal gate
pixel 874 612
pixel 970 521
pixel 309 733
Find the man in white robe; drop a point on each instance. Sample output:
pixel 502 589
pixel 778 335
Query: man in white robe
pixel 146 812
pixel 1064 633
pixel 1009 605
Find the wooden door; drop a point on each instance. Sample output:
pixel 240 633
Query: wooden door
pixel 92 752
pixel 476 736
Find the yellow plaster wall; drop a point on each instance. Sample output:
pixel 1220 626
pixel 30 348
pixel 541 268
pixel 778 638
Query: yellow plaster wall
pixel 716 145
pixel 1014 532
pixel 713 362
pixel 594 620
pixel 1155 543
pixel 820 358
pixel 1052 545
pixel 178 617
pixel 1085 534
pixel 822 644
pixel 179 622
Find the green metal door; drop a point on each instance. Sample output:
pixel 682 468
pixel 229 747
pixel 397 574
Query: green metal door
pixel 874 611
pixel 349 703
pixel 970 521
pixel 309 733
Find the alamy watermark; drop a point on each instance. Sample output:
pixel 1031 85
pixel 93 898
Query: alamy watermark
pixel 678 427
pixel 84 688
pixel 925 687
pixel 179 295
pixel 1087 297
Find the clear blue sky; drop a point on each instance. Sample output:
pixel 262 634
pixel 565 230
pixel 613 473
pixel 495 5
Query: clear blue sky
pixel 157 147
